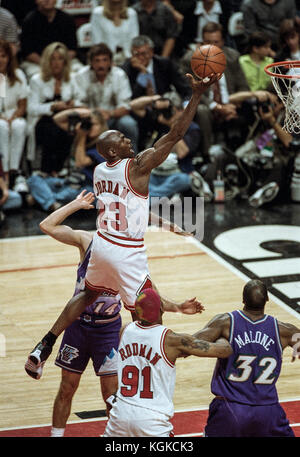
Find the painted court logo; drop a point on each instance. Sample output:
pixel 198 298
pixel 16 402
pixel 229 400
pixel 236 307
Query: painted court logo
pixel 2 85
pixel 68 353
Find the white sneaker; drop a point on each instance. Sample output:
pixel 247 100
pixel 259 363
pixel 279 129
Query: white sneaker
pixel 263 195
pixel 21 185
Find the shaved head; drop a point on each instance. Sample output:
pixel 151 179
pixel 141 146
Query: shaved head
pixel 106 141
pixel 255 294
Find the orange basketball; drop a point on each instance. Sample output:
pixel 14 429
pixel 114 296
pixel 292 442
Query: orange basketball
pixel 208 59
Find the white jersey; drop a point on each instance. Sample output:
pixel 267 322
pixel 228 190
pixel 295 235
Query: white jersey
pixel 123 212
pixel 145 375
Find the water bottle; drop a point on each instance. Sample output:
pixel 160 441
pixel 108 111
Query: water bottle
pixel 219 188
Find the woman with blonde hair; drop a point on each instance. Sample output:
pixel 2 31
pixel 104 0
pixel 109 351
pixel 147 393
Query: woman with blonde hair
pixel 13 102
pixel 51 91
pixel 115 24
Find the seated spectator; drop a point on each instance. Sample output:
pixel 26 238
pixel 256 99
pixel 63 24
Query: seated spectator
pixel 51 192
pixel 157 21
pixel 176 174
pixel 289 41
pixel 151 74
pixel 266 16
pixel 43 26
pixel 9 29
pixel 183 12
pixel 206 11
pixel 13 111
pixel 52 90
pixel 9 199
pixel 116 25
pixel 105 86
pixel 223 114
pixel 253 63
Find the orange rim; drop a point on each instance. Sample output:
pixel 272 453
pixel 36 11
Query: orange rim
pixel 286 63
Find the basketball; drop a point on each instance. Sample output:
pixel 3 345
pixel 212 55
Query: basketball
pixel 208 59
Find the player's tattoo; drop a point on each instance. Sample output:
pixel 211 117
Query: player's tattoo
pixel 195 344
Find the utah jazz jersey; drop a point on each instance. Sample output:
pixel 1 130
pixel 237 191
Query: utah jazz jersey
pixel 249 375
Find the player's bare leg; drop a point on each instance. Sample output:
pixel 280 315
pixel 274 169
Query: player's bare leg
pixel 63 401
pixel 109 386
pixel 72 310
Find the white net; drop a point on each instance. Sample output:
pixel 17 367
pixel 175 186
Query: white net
pixel 288 90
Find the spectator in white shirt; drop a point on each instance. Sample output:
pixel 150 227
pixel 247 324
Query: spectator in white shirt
pixel 105 86
pixel 116 25
pixel 206 11
pixel 53 89
pixel 13 109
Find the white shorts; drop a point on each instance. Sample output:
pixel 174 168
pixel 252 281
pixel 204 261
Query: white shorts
pixel 132 421
pixel 116 268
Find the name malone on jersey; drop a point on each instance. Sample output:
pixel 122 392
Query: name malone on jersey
pixel 141 350
pixel 259 338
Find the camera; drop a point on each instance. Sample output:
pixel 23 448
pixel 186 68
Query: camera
pixel 74 119
pixel 166 112
pixel 265 105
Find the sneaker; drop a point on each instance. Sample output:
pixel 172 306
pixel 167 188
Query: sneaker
pixel 21 185
pixel 200 187
pixel 33 370
pixel 37 359
pixel 263 195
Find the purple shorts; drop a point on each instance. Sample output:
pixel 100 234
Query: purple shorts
pixel 82 342
pixel 230 419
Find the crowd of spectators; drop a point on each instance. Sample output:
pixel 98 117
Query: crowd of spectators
pixel 59 93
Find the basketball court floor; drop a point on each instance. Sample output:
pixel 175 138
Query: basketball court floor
pixel 37 277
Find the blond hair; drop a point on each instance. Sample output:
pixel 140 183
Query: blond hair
pixel 109 12
pixel 47 54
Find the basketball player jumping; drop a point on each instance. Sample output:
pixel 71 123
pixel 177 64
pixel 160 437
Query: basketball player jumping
pixel 143 404
pixel 118 261
pixel 246 402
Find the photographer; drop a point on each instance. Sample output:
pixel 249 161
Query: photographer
pixel 84 125
pixel 267 157
pixel 176 174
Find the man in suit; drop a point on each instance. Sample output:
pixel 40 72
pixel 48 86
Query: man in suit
pixel 150 74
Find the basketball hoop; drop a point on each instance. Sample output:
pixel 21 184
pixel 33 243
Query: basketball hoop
pixel 285 77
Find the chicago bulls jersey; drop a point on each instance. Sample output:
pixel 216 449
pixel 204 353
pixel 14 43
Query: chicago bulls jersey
pixel 146 377
pixel 123 212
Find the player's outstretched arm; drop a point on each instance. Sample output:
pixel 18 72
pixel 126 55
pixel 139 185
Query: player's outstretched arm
pixel 190 306
pixel 153 157
pixel 166 225
pixel 182 345
pixel 51 225
pixel 217 327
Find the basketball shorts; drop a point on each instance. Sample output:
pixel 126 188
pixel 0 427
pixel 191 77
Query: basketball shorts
pixel 231 419
pixel 82 342
pixel 126 420
pixel 118 269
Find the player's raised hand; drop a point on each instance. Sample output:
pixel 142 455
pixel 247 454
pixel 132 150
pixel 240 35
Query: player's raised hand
pixel 85 199
pixel 192 306
pixel 201 84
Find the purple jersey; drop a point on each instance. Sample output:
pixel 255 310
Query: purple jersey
pixel 105 306
pixel 249 375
